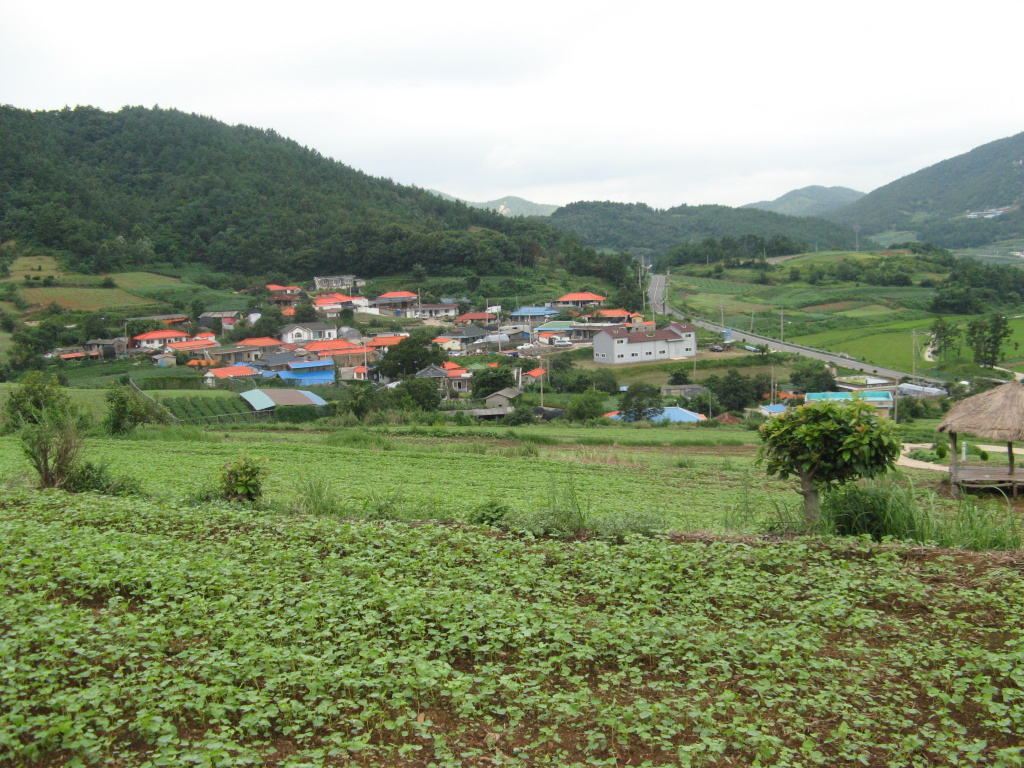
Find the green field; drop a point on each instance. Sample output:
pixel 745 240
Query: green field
pixel 151 634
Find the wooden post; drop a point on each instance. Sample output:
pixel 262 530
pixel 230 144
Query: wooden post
pixel 953 471
pixel 1009 450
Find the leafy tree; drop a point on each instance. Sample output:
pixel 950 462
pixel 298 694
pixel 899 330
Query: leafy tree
pixel 679 375
pixel 986 336
pixel 735 391
pixel 418 394
pixel 491 380
pixel 641 402
pixel 586 405
pixel 827 443
pixel 945 336
pixel 629 297
pixel 26 402
pixel 812 376
pixel 126 410
pixel 412 354
pixel 605 381
pixel 305 313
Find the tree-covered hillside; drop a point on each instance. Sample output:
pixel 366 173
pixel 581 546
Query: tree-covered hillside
pixel 809 201
pixel 935 201
pixel 646 231
pixel 115 190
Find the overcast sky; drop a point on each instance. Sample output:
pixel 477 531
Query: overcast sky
pixel 656 102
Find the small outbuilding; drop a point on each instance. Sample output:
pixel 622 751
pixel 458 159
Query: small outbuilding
pixel 998 415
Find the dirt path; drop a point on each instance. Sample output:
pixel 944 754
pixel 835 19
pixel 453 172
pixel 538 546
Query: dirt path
pixel 908 463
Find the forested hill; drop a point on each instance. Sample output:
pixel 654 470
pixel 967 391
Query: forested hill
pixel 642 230
pixel 809 201
pixel 114 190
pixel 935 202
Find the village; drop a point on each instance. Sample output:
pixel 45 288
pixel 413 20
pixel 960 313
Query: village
pixel 321 350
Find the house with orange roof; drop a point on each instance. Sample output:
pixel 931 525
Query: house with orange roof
pixel 214 375
pixel 534 376
pixel 615 316
pixel 275 288
pixel 475 317
pixel 157 339
pixel 265 344
pixel 328 346
pixel 579 300
pixel 384 343
pixel 396 300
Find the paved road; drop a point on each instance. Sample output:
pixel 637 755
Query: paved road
pixel 658 290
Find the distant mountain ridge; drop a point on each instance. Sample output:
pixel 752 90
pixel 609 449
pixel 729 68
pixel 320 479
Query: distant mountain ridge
pixel 937 202
pixel 647 232
pixel 809 201
pixel 506 206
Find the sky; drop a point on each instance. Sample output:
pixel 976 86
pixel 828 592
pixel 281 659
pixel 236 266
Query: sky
pixel 663 103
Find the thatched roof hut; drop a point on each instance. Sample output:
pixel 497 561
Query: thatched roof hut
pixel 997 414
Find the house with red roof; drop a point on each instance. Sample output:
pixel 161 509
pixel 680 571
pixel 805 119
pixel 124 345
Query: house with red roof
pixel 579 300
pixel 384 343
pixel 214 375
pixel 621 346
pixel 615 316
pixel 396 300
pixel 275 288
pixel 475 317
pixel 157 339
pixel 534 376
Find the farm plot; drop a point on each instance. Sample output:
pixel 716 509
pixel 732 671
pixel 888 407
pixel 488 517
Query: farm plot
pixel 145 634
pixel 83 298
pixel 685 488
pixel 141 281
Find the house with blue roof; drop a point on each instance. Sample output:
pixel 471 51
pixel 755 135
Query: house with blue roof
pixel 307 372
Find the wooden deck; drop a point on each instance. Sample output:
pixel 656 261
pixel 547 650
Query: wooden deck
pixel 988 477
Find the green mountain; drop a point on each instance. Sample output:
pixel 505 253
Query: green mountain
pixel 650 233
pixel 108 191
pixel 809 201
pixel 507 206
pixel 937 202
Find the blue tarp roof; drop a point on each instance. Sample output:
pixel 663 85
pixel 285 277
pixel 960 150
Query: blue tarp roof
pixel 671 413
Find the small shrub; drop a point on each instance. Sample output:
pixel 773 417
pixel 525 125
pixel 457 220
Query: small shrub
pixel 97 478
pixel 491 512
pixel 242 479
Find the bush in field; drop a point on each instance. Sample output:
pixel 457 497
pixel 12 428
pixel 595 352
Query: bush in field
pixel 97 478
pixel 242 480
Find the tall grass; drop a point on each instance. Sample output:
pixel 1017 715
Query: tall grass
pixel 885 508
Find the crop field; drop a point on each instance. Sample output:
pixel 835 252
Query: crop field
pixel 139 633
pixel 136 281
pixel 692 488
pixel 83 298
pixel 33 266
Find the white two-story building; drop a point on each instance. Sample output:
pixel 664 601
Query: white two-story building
pixel 621 346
